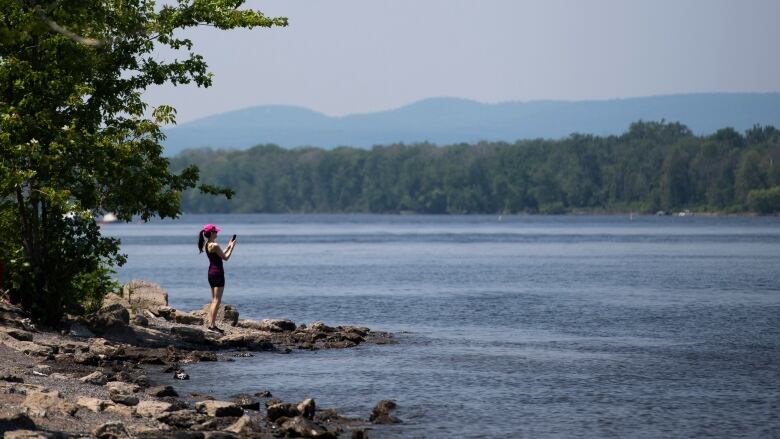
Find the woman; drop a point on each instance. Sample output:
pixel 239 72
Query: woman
pixel 208 235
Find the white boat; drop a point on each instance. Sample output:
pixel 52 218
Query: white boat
pixel 108 218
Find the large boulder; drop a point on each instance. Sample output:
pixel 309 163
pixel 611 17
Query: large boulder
pixel 152 409
pixel 115 299
pixel 252 342
pixel 219 408
pixel 111 430
pixel 122 387
pixel 16 422
pixel 281 410
pixel 225 314
pixel 191 335
pixel 302 427
pixel 187 318
pixel 93 404
pixel 112 322
pixel 41 402
pixel 97 378
pixel 16 334
pixel 381 413
pixel 246 402
pixel 245 425
pixel 142 294
pixel 269 325
pixel 306 408
pixel 161 391
pixel 114 311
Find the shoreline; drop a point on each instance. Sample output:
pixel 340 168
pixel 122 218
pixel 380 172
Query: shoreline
pixel 90 378
pixel 635 213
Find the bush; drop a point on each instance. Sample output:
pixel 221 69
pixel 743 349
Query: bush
pixel 764 201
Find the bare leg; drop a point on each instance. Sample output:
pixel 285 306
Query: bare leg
pixel 216 298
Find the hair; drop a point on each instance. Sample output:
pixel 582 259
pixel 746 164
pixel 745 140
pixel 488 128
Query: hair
pixel 202 239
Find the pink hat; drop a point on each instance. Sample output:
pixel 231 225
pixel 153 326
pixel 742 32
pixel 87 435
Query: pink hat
pixel 211 228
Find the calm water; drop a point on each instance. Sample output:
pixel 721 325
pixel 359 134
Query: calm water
pixel 528 326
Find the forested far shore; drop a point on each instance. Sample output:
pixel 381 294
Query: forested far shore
pixel 654 166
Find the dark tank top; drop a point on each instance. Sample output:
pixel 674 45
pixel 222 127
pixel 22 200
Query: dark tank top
pixel 215 264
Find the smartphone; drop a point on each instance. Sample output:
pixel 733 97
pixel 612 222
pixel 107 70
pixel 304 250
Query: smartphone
pixel 234 238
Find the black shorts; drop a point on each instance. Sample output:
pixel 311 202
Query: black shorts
pixel 216 280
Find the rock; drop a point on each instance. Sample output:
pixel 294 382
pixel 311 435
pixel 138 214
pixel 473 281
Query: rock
pixel 253 342
pixel 302 427
pixel 306 408
pixel 97 378
pixel 187 319
pixel 181 375
pixel 264 394
pixel 191 335
pixel 352 337
pixel 244 425
pixel 111 312
pixel 122 387
pixel 86 358
pixel 59 376
pixel 40 402
pixel 94 404
pixel 225 314
pixel 30 434
pixel 197 396
pixel 151 409
pixel 197 356
pixel 80 330
pixel 143 294
pixel 111 430
pixel 176 403
pixel 219 408
pixel 159 391
pixel 166 312
pixel 359 433
pixel 184 419
pixel 381 413
pixel 11 378
pixel 359 330
pixel 282 409
pixel 124 399
pixel 141 320
pixel 16 422
pixel 103 348
pixel 115 299
pixel 34 349
pixel 247 402
pixel 45 369
pixel 17 334
pixel 122 410
pixel 273 401
pixel 158 434
pixel 270 325
pixel 319 326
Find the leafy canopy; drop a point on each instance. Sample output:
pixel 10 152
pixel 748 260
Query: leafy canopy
pixel 75 139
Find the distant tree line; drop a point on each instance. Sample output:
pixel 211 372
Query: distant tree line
pixel 653 166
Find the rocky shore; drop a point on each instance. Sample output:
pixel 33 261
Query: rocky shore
pixel 89 377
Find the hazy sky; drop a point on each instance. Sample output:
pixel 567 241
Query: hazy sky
pixel 352 56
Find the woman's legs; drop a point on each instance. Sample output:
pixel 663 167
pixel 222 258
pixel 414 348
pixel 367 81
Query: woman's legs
pixel 216 298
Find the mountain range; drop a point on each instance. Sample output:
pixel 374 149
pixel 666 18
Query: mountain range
pixel 453 120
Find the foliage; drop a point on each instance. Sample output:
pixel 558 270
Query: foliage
pixel 75 139
pixel 765 200
pixel 653 166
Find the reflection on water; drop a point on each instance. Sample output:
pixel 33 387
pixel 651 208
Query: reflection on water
pixel 532 326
